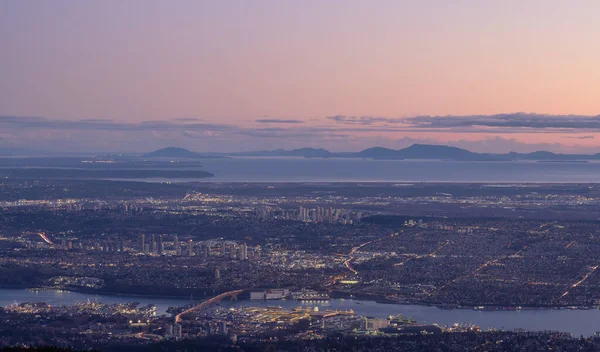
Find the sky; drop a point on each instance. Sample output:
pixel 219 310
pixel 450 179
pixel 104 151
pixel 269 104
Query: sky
pixel 225 75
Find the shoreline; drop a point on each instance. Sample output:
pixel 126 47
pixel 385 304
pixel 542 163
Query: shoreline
pixel 486 307
pixel 103 293
pixel 335 295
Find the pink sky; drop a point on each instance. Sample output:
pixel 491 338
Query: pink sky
pixel 234 62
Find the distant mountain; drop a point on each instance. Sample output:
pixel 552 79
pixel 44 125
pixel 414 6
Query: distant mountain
pixel 423 151
pixel 428 151
pixel 418 151
pixel 377 153
pixel 172 152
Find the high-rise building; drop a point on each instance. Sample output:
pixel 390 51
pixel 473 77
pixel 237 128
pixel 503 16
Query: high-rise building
pixel 154 245
pixel 232 252
pixel 256 252
pixel 243 252
pixel 143 243
pixel 161 245
pixel 177 246
pixel 222 328
pixel 217 273
pixel 190 248
pixel 177 331
pixel 262 213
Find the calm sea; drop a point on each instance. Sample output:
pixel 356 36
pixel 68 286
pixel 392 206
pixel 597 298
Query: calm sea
pixel 367 170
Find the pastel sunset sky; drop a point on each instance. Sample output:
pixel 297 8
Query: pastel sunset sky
pixel 225 75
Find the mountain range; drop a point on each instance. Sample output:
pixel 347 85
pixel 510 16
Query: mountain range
pixel 415 151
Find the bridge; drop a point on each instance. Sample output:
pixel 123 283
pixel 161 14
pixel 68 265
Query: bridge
pixel 201 305
pixel 45 238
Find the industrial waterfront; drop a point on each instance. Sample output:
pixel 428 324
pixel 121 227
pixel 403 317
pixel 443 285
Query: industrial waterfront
pixel 575 321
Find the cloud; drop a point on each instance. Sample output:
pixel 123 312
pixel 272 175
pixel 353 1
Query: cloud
pixel 203 134
pixel 277 121
pixel 18 122
pixel 515 120
pixel 341 133
pixel 467 123
pixel 96 120
pixel 156 122
pixel 20 119
pixel 483 124
pixel 580 137
pixel 486 145
pixel 189 129
pixel 187 119
pixel 363 120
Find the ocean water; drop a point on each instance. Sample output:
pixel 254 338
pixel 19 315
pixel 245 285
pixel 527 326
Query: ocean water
pixel 368 170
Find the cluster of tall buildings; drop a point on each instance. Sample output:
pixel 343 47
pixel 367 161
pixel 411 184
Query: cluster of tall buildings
pixel 233 251
pixel 315 215
pixel 132 208
pixel 173 331
pixel 107 246
pixel 155 244
pixel 76 206
pixel 114 245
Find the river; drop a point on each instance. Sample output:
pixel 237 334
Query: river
pixel 576 322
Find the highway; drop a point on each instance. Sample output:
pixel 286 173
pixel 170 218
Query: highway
pixel 348 261
pixel 592 270
pixel 479 268
pixel 422 256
